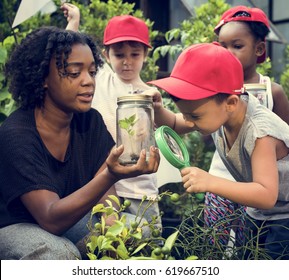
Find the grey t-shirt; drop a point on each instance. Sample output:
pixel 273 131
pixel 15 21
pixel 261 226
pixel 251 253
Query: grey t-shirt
pixel 259 122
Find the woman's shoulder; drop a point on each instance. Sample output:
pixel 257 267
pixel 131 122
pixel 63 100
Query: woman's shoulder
pixel 19 120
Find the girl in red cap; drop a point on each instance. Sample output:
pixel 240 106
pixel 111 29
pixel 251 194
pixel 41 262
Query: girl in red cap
pixel 242 31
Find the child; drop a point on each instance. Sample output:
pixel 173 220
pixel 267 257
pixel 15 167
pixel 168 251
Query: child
pixel 242 31
pixel 126 43
pixel 55 150
pixel 253 142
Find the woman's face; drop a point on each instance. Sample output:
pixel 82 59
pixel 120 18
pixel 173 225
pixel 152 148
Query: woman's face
pixel 73 91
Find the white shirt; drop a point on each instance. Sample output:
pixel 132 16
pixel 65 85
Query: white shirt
pixel 108 88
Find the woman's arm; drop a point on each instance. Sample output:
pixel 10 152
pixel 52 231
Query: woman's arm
pixel 56 214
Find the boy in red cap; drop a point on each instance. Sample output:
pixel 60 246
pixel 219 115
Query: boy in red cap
pixel 242 30
pixel 126 44
pixel 207 85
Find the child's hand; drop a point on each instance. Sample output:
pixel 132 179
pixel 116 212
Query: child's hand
pixel 72 13
pixel 157 97
pixel 141 167
pixel 195 179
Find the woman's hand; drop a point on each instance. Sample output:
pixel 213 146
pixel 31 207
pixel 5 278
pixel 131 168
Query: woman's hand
pixel 141 167
pixel 72 13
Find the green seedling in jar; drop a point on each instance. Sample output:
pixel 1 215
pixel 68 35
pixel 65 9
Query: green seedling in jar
pixel 128 125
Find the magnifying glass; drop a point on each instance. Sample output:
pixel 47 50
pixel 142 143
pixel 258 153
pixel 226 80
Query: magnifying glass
pixel 174 150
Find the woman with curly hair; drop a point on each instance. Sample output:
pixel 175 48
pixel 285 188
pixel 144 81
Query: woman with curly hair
pixel 56 159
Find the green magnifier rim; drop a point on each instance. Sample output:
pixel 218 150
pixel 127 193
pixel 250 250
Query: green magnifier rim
pixel 166 150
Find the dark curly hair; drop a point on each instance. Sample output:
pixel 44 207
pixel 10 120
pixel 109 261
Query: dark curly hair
pixel 28 65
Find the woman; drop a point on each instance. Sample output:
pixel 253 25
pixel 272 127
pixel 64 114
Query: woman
pixel 53 149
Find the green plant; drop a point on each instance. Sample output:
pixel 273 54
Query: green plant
pixel 124 239
pixel 128 124
pixel 7 104
pixel 284 79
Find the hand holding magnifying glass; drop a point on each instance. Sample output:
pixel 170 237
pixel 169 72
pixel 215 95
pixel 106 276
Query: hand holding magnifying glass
pixel 174 150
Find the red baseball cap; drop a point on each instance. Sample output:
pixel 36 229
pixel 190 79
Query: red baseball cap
pixel 203 70
pixel 243 13
pixel 126 28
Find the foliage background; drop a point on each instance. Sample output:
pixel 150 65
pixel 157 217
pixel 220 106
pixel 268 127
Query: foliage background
pixel 94 17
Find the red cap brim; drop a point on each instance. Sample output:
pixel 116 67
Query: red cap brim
pixel 125 38
pixel 182 89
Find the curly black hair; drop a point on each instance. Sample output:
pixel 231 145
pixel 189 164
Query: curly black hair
pixel 28 65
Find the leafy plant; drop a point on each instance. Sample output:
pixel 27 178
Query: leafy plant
pixel 127 124
pixel 284 79
pixel 7 104
pixel 124 240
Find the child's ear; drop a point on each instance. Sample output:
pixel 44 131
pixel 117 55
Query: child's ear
pixel 260 48
pixel 232 102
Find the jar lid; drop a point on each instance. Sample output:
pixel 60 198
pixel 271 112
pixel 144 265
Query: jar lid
pixel 135 97
pixel 255 86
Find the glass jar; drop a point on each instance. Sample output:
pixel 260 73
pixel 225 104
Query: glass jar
pixel 259 91
pixel 134 126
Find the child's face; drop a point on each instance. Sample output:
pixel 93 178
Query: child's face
pixel 126 60
pixel 72 92
pixel 205 115
pixel 237 38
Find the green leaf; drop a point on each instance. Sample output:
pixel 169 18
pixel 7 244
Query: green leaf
pixel 116 228
pixel 141 258
pixel 132 119
pixel 192 258
pixel 114 199
pixel 91 256
pixel 107 258
pixel 4 94
pixel 170 241
pixel 108 202
pixel 122 251
pixel 93 244
pixel 137 235
pixel 3 55
pixel 123 124
pixel 98 208
pixel 140 247
pixel 106 245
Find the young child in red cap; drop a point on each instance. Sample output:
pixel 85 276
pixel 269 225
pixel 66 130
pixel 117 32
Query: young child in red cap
pixel 126 44
pixel 242 31
pixel 207 85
